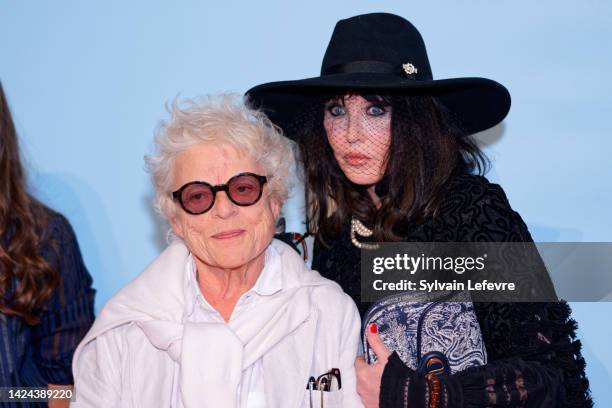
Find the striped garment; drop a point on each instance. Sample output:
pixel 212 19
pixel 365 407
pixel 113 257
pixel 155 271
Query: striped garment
pixel 34 356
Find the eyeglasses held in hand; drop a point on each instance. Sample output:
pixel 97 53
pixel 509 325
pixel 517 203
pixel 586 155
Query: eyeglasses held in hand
pixel 197 197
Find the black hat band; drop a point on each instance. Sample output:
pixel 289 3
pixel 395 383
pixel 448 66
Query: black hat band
pixel 360 67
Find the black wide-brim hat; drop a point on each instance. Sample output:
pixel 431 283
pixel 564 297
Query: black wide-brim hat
pixel 382 53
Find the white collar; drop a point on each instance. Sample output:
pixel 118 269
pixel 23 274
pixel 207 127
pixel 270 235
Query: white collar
pixel 269 282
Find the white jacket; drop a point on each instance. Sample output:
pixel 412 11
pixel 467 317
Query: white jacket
pixel 129 356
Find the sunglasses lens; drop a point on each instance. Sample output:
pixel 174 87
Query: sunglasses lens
pixel 197 198
pixel 245 190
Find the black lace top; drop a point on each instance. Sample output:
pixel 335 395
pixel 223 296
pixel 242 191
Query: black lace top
pixel 534 359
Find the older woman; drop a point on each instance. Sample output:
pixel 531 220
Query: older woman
pixel 226 316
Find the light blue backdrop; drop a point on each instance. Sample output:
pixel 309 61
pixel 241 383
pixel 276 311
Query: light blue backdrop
pixel 88 82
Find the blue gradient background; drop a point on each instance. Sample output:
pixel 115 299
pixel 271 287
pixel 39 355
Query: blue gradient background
pixel 88 82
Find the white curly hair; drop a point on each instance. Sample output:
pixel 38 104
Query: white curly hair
pixel 225 119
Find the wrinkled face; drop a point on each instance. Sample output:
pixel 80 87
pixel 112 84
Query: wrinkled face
pixel 359 132
pixel 227 236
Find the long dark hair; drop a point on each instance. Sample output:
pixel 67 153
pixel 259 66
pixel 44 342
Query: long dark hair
pixel 428 148
pixel 26 279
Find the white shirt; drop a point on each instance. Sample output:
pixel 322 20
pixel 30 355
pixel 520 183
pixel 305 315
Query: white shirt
pixel 129 357
pixel 198 310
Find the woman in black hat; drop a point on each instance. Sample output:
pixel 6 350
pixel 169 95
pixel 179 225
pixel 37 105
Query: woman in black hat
pixel 387 157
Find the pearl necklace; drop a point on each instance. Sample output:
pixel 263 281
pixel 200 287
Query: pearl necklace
pixel 357 228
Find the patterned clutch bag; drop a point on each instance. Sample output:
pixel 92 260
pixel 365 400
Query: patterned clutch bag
pixel 439 334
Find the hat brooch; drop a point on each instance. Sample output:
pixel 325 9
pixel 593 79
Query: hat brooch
pixel 409 68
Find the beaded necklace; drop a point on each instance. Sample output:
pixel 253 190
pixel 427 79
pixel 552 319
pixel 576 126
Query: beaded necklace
pixel 357 228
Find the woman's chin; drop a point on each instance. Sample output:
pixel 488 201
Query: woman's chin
pixel 363 179
pixel 233 257
pixel 228 264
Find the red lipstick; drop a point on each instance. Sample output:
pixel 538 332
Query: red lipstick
pixel 356 159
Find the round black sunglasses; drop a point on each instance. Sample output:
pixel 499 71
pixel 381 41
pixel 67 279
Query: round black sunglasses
pixel 197 197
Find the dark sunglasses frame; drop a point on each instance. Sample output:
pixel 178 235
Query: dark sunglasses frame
pixel 334 372
pixel 177 195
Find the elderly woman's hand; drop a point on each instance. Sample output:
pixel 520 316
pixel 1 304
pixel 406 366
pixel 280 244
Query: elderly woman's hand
pixel 370 375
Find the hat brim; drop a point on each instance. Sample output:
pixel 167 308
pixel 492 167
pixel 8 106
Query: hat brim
pixel 479 103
